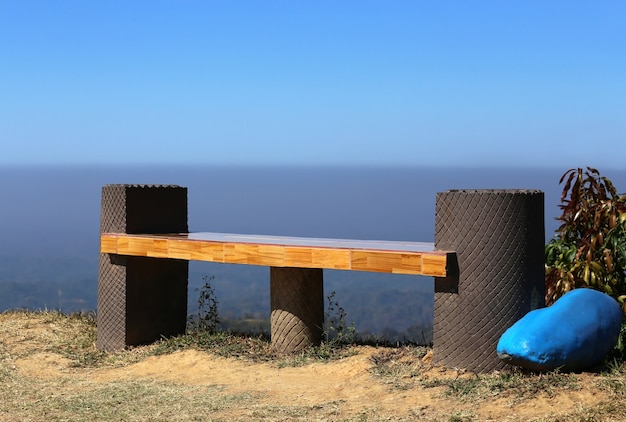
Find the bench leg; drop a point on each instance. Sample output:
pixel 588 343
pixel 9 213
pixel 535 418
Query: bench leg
pixel 498 237
pixel 297 303
pixel 141 299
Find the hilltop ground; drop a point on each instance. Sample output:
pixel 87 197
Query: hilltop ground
pixel 50 370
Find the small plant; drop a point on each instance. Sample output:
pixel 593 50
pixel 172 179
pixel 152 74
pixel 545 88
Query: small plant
pixel 336 328
pixel 207 318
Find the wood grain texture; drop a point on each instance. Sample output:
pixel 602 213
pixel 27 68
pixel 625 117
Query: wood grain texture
pixel 275 251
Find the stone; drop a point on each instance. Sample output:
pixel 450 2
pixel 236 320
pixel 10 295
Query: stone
pixel 575 333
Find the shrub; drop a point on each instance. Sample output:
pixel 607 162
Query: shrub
pixel 589 248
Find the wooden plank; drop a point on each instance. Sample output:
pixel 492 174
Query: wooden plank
pixel 341 254
pixel 387 262
pixel 435 264
pixel 108 244
pixel 303 257
pixel 196 251
pixel 266 255
pixel 150 247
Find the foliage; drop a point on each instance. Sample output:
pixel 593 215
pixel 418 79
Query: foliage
pixel 207 318
pixel 589 249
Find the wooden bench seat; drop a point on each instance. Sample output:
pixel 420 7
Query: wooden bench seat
pixel 392 257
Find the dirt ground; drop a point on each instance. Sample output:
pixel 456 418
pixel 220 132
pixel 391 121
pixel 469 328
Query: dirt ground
pixel 348 384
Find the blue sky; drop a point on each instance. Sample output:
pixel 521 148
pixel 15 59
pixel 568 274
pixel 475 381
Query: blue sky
pixel 400 83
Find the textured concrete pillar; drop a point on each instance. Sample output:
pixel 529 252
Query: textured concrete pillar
pixel 297 303
pixel 499 239
pixel 141 299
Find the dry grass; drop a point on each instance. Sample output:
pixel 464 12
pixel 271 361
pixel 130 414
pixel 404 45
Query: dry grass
pixel 70 392
pixel 67 397
pixel 403 369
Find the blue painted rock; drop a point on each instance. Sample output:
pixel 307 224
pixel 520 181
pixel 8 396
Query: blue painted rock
pixel 576 332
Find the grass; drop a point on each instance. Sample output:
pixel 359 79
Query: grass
pixel 255 348
pixel 118 400
pixel 66 397
pixel 402 368
pixel 71 394
pixel 513 383
pixel 74 337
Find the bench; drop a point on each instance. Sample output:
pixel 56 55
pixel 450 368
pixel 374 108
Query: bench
pixel 415 258
pixel 145 246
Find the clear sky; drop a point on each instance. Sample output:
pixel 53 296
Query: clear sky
pixel 472 83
